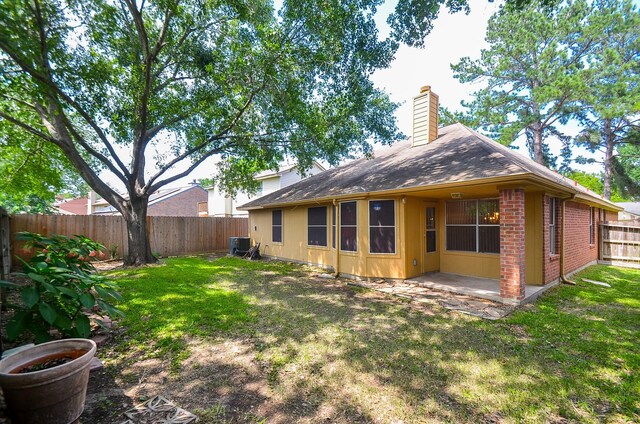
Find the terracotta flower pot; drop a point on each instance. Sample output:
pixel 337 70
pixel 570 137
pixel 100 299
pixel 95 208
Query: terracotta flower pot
pixel 53 396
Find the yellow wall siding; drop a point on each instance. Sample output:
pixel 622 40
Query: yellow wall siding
pixel 412 240
pixel 533 238
pixel 486 265
pixel 410 243
pixel 294 242
pixel 294 236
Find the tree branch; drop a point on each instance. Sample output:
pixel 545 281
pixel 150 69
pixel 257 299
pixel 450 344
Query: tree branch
pixel 43 79
pixel 91 150
pixel 220 135
pixel 153 188
pixel 28 128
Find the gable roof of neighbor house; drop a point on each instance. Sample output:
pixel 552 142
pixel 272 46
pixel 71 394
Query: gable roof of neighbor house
pixel 458 155
pixel 157 197
pixel 630 207
pixel 76 206
pixel 283 170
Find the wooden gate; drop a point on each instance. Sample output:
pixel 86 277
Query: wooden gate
pixel 620 244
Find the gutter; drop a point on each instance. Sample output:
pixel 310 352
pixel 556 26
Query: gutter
pixel 563 277
pixel 336 267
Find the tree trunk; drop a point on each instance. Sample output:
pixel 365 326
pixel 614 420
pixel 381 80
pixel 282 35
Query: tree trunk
pixel 538 152
pixel 138 238
pixel 609 139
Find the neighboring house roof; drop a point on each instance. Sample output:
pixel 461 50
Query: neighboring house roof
pixel 271 173
pixel 73 207
pixel 458 155
pixel 630 207
pixel 282 170
pixel 157 197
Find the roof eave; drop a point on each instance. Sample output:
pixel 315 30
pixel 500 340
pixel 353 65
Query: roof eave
pixel 511 179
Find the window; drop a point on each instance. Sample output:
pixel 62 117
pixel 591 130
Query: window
pixel 317 226
pixel 591 219
pixel 276 226
pixel 333 226
pixel 552 226
pixel 349 226
pixel 382 226
pixel 473 226
pixel 431 230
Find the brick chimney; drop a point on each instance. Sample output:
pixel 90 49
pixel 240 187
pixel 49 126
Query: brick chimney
pixel 425 117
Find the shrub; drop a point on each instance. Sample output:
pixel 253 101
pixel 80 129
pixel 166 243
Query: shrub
pixel 63 290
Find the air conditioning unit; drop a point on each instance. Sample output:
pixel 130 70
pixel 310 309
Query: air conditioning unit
pixel 239 245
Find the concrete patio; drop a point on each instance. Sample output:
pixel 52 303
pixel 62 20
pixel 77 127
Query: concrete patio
pixel 483 288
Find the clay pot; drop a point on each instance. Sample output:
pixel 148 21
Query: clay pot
pixel 53 396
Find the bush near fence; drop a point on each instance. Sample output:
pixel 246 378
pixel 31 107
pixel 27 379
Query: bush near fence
pixel 169 235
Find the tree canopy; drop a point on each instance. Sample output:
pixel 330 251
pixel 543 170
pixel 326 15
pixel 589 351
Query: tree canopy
pixel 548 66
pixel 533 73
pixel 610 108
pixel 142 88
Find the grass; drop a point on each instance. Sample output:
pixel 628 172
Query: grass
pixel 327 352
pixel 167 304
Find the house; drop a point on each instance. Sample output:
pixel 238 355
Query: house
pixel 77 206
pixel 630 211
pixel 448 200
pixel 220 204
pixel 180 201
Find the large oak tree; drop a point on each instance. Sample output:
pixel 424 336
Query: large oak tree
pixel 108 82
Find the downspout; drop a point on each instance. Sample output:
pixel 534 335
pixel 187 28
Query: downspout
pixel 563 277
pixel 336 266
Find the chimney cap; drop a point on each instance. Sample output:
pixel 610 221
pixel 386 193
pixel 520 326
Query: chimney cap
pixel 425 88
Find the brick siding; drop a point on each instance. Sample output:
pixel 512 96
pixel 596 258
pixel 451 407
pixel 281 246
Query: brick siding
pixel 578 252
pixel 512 257
pixel 182 204
pixel 611 216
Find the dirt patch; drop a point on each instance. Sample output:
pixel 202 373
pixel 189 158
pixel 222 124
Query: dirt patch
pixel 219 381
pixel 110 265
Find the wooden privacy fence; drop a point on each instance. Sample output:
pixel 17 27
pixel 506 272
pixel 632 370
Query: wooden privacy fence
pixel 620 243
pixel 169 235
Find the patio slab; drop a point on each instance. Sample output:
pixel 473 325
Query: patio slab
pixel 457 302
pixel 483 288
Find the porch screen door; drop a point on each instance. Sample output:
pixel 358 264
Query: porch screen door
pixel 431 261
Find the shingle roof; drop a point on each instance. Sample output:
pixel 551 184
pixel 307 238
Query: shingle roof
pixel 459 154
pixel 631 207
pixel 157 197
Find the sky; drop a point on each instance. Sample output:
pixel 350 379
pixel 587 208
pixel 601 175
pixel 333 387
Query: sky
pixel 453 36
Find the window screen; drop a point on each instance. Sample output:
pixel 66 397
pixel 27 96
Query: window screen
pixel 552 226
pixel 317 226
pixel 431 229
pixel 333 227
pixel 591 226
pixel 473 226
pixel 276 225
pixel 382 226
pixel 349 226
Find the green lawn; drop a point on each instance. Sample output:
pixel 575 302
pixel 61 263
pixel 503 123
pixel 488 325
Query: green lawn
pixel 268 342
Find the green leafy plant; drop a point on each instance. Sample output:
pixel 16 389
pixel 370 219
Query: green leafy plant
pixel 113 251
pixel 63 291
